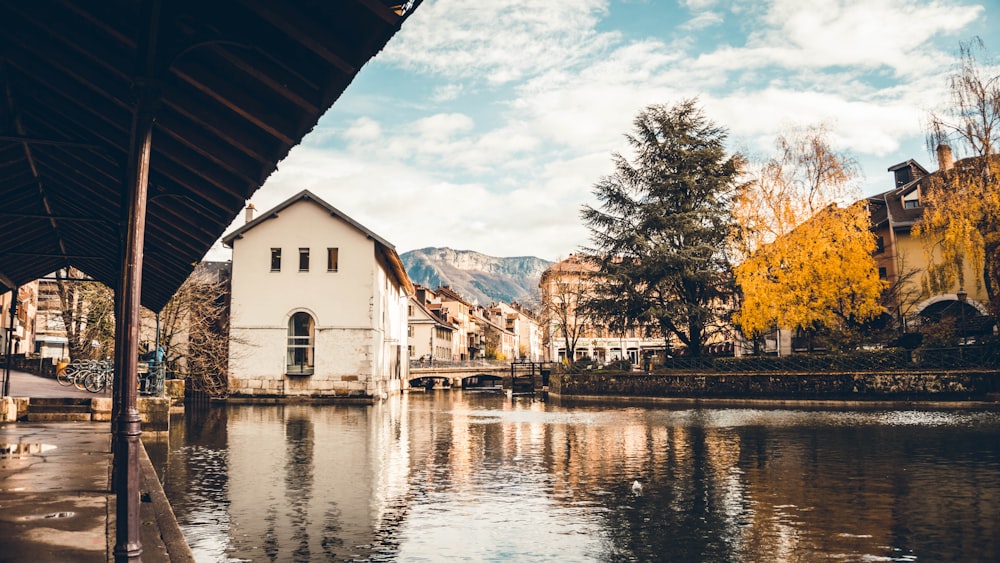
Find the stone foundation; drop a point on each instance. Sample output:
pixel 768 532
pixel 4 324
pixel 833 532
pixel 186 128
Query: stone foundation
pixel 932 386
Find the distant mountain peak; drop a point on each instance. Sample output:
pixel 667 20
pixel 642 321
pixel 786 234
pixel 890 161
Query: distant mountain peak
pixel 479 278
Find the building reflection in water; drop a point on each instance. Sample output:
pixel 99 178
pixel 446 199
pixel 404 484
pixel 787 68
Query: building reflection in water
pixel 448 475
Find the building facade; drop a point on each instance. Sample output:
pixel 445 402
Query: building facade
pixel 903 260
pixel 430 337
pixel 318 305
pixel 566 285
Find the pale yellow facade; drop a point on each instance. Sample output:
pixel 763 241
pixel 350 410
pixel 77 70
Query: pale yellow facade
pixel 354 297
pixel 904 259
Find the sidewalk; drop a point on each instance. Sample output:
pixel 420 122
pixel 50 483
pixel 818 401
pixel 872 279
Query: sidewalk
pixel 55 497
pixel 24 384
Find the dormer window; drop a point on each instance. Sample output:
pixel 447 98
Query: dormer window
pixel 911 203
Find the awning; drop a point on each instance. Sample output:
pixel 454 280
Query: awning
pixel 237 84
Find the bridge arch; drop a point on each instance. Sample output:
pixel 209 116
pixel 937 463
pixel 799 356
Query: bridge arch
pixel 431 382
pixel 482 380
pixel 950 297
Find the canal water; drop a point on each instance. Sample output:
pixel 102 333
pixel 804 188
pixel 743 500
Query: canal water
pixel 451 475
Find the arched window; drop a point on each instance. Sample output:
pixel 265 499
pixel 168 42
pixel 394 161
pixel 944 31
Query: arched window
pixel 300 344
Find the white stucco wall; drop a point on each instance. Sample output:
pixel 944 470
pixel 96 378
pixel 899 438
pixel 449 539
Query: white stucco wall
pixel 356 309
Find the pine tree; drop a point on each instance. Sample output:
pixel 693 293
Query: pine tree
pixel 659 235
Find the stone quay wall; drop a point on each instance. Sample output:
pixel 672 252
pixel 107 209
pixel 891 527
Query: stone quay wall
pixel 981 385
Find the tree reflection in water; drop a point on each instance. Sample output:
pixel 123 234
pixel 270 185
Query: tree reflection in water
pixel 447 475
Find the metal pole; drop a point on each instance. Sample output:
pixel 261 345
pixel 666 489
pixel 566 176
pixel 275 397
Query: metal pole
pixel 128 545
pixel 9 341
pixel 157 360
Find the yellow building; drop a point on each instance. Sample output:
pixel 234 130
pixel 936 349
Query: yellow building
pixel 903 260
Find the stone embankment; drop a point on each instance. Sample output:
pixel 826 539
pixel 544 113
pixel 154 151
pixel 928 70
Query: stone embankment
pixel 980 385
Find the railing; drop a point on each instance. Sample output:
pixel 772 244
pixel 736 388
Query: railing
pixel 960 357
pixel 430 364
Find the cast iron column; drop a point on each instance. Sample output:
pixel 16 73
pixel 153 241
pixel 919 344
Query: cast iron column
pixel 127 424
pixel 8 341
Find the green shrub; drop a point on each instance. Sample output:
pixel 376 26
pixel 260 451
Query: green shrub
pixel 619 365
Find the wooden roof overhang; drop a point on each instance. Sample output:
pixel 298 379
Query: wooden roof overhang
pixel 234 85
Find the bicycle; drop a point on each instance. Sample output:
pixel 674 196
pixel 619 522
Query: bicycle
pixel 88 375
pixel 97 381
pixel 67 375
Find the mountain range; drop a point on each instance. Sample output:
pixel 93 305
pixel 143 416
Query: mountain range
pixel 479 278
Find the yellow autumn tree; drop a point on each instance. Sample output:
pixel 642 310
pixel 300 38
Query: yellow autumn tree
pixel 780 193
pixel 822 274
pixel 805 261
pixel 961 220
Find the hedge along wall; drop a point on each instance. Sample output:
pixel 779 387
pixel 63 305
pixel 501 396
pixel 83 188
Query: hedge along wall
pixel 972 385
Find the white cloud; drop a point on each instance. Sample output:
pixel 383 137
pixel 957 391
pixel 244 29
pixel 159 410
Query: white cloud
pixel 860 33
pixel 508 174
pixel 364 129
pixel 703 20
pixel 856 125
pixel 447 93
pixel 443 125
pixel 697 5
pixel 501 40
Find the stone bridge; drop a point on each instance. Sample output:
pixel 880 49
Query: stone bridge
pixel 453 376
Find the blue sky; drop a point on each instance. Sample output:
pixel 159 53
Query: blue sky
pixel 484 125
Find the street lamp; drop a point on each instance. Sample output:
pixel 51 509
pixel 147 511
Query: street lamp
pixel 962 297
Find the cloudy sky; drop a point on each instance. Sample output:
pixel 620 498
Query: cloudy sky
pixel 484 125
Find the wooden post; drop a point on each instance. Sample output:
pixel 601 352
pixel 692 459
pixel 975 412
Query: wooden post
pixel 127 422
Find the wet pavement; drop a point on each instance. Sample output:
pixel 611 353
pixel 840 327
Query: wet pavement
pixel 54 491
pixel 28 385
pixel 56 502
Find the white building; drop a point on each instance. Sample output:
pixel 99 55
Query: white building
pixel 429 335
pixel 522 323
pixel 319 305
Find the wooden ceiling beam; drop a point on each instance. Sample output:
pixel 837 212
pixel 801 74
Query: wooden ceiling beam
pixel 220 153
pixel 282 86
pixel 304 31
pixel 381 10
pixel 114 59
pixel 209 118
pixel 83 192
pixel 51 103
pixel 161 206
pixel 207 165
pixel 253 109
pixel 193 184
pixel 88 168
pixel 42 63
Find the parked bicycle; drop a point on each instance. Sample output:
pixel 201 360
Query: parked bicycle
pixel 90 375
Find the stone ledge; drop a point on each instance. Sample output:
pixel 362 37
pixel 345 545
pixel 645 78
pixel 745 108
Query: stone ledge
pixel 924 386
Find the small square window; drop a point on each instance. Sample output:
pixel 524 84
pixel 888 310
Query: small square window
pixel 332 259
pixel 911 203
pixel 303 259
pixel 275 259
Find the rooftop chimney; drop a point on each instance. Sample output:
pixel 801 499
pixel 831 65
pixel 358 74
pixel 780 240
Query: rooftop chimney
pixel 945 161
pixel 250 211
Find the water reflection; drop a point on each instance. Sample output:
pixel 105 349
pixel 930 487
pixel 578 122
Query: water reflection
pixel 447 475
pixel 21 450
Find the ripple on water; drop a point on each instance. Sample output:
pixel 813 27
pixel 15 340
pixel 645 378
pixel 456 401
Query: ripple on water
pixel 469 479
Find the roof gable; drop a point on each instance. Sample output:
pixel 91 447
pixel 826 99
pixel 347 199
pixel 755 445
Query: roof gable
pixel 303 196
pixel 385 252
